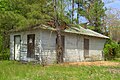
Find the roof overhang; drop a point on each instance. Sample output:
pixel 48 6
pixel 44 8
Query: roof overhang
pixel 73 30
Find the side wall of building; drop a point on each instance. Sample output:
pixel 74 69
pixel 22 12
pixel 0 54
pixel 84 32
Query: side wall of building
pixel 74 48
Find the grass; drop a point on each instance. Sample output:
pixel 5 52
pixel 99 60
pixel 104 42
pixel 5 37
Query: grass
pixel 10 70
pixel 116 60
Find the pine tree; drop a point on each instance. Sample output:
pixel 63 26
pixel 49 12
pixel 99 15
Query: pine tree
pixel 19 14
pixel 94 12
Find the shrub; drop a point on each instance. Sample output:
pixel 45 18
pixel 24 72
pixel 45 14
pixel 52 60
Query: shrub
pixel 111 50
pixel 5 55
pixel 1 44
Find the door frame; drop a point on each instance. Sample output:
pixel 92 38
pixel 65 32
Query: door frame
pixel 14 46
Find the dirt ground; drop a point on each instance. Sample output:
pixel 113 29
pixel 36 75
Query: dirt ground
pixel 96 63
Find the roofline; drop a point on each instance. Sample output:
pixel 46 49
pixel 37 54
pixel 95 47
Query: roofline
pixel 87 35
pixel 52 29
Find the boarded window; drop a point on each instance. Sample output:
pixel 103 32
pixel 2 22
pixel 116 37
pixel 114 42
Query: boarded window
pixel 86 48
pixel 31 45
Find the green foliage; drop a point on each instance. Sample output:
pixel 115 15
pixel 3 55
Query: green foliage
pixel 4 55
pixel 20 14
pixel 17 13
pixel 91 27
pixel 93 11
pixel 1 38
pixel 111 50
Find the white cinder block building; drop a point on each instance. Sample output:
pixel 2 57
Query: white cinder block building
pixel 39 44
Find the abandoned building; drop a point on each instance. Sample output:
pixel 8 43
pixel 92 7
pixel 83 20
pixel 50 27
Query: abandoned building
pixel 39 44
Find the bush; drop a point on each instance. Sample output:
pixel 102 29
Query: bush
pixel 5 55
pixel 111 50
pixel 1 42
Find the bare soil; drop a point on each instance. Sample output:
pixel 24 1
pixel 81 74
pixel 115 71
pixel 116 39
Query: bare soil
pixel 96 63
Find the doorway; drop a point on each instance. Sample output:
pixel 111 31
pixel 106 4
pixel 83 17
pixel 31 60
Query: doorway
pixel 86 48
pixel 17 43
pixel 31 45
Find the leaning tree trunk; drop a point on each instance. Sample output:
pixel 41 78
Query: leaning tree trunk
pixel 59 44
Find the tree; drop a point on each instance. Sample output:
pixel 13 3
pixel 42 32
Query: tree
pixel 17 14
pixel 72 11
pixel 59 46
pixel 78 7
pixel 94 12
pixel 113 23
pixel 58 20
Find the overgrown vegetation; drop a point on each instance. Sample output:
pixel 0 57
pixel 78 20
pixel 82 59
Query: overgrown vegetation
pixel 5 55
pixel 17 71
pixel 112 50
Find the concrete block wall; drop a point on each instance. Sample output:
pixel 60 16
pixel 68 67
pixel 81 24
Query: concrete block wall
pixel 11 47
pixel 96 48
pixel 49 45
pixel 45 39
pixel 73 48
pixel 45 46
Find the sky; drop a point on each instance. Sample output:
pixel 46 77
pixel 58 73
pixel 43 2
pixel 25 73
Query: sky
pixel 115 4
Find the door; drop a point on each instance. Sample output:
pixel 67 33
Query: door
pixel 86 48
pixel 17 43
pixel 31 45
pixel 60 56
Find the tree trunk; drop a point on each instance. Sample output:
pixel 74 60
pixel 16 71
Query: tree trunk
pixel 59 45
pixel 78 12
pixel 72 10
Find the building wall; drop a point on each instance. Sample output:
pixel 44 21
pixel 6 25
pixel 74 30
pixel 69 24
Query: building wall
pixel 49 46
pixel 45 46
pixel 11 47
pixel 74 48
pixel 96 48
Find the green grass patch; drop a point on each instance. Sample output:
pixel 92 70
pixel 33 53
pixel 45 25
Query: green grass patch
pixel 115 60
pixel 11 70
